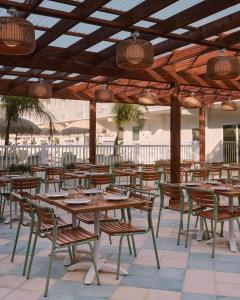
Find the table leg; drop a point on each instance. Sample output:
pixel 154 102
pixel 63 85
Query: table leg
pixel 200 232
pixel 231 233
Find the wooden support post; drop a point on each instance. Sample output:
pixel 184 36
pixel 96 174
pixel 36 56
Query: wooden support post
pixel 92 133
pixel 202 139
pixel 175 140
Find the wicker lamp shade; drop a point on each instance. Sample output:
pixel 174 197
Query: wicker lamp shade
pixel 134 53
pixel 222 67
pixel 148 98
pixel 104 94
pixel 192 102
pixel 229 105
pixel 17 35
pixel 40 90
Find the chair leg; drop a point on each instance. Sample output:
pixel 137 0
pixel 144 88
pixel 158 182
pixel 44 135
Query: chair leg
pixel 73 254
pixel 94 264
pixel 49 270
pixel 119 256
pixel 222 227
pixel 32 254
pixel 129 245
pixel 27 252
pixel 134 247
pixel 10 207
pixel 70 254
pixel 154 243
pixel 207 231
pixel 187 234
pixel 212 227
pixel 196 222
pixel 110 239
pixel 159 217
pixel 238 224
pixel 214 238
pixel 16 240
pixel 180 227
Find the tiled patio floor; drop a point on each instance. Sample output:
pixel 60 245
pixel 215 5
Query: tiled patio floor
pixel 186 274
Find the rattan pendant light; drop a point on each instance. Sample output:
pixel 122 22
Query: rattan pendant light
pixel 104 94
pixel 40 90
pixel 148 98
pixel 222 67
pixel 229 105
pixel 17 35
pixel 134 53
pixel 191 102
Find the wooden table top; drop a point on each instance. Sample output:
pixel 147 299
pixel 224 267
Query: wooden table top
pixel 94 205
pixel 7 179
pixel 233 192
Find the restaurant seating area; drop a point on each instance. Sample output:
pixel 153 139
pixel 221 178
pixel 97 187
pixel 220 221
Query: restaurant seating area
pixel 119 221
pixel 162 240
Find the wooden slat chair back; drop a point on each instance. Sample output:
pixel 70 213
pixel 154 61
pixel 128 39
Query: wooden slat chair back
pixel 173 192
pixel 102 168
pixel 53 172
pixel 83 167
pixel 99 180
pixel 147 177
pixel 149 168
pixel 147 198
pixel 45 216
pixel 201 174
pixel 26 184
pixel 215 172
pixel 201 197
pixel 127 165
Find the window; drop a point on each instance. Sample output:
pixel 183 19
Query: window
pixel 135 133
pixel 195 134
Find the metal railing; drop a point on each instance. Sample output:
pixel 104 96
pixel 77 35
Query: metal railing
pixel 105 154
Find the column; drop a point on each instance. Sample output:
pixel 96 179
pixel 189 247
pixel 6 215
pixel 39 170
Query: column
pixel 175 139
pixel 202 138
pixel 92 133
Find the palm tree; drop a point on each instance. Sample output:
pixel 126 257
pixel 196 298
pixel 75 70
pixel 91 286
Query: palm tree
pixel 15 107
pixel 125 113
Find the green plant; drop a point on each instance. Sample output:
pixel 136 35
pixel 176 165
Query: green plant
pixel 19 168
pixel 125 113
pixel 15 107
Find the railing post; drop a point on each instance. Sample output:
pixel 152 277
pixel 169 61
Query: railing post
pixel 44 155
pixel 136 153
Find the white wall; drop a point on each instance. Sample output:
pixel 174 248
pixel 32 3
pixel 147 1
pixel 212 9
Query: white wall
pixel 216 119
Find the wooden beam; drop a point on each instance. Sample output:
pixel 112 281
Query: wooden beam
pixel 92 133
pixel 202 137
pixel 175 139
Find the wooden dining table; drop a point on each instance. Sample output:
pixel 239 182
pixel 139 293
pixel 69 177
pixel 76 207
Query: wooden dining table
pixel 230 192
pixel 95 206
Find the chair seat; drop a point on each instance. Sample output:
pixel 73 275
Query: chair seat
pixel 118 228
pixel 60 224
pixel 89 218
pixel 72 235
pixel 223 214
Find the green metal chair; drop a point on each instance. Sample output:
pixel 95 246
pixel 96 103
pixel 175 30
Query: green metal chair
pixel 26 187
pixel 126 229
pixel 27 209
pixel 213 212
pixel 60 238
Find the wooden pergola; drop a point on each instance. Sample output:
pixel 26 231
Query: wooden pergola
pixel 76 49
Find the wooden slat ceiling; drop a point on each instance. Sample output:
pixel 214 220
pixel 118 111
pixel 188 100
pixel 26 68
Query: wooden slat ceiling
pixel 77 39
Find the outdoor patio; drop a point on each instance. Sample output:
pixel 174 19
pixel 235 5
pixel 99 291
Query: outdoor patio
pixel 185 274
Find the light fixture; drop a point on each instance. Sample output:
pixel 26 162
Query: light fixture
pixel 192 102
pixel 229 105
pixel 222 67
pixel 104 94
pixel 17 35
pixel 134 53
pixel 148 98
pixel 40 90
